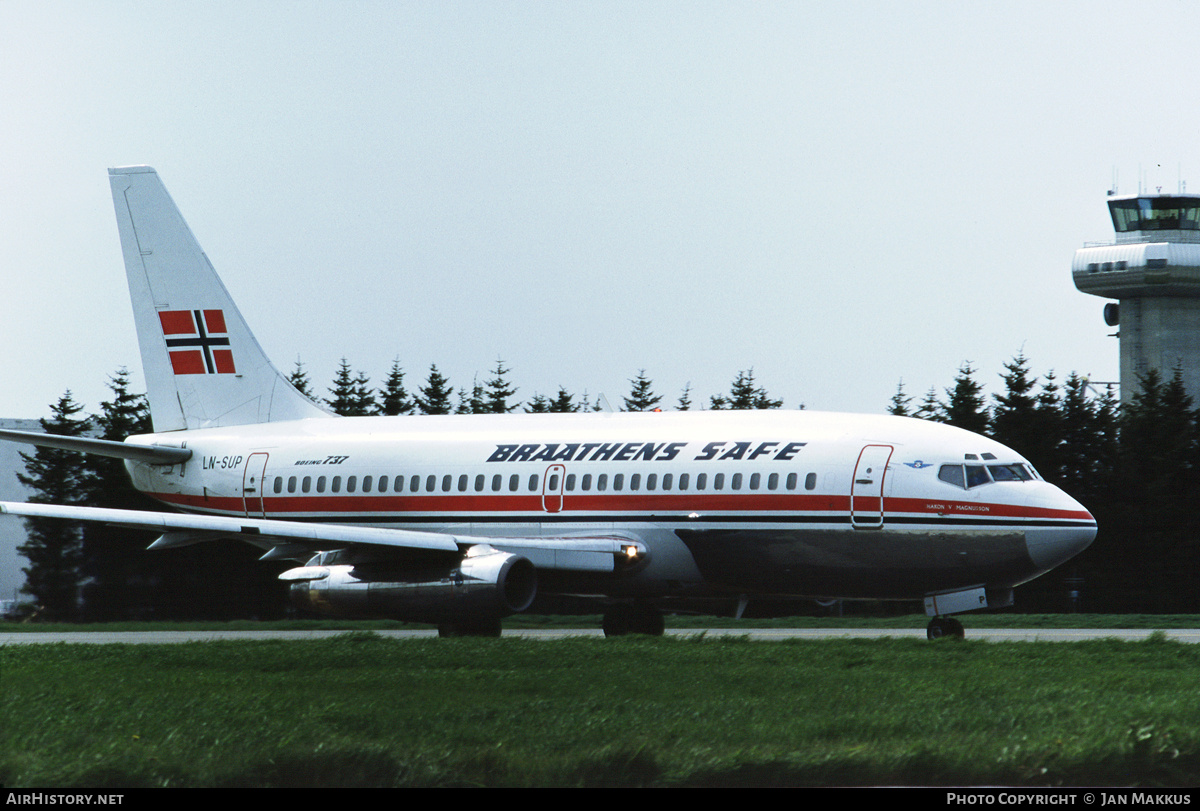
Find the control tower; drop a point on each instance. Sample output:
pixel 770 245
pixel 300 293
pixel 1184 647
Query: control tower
pixel 1153 270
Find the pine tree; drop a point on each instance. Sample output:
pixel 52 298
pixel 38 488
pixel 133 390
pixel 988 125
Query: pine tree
pixel 641 397
pixel 1157 487
pixel 1088 442
pixel 743 394
pixel 1014 420
pixel 342 390
pixel 539 404
pixel 965 407
pixel 1046 450
pixel 685 398
pixel 54 548
pixel 471 403
pixel 394 399
pixel 434 396
pixel 564 403
pixel 362 397
pixel 497 391
pixel 299 379
pixel 931 408
pixel 119 573
pixel 352 394
pixel 900 402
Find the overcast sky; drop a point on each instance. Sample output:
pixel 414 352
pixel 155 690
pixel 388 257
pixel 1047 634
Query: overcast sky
pixel 839 195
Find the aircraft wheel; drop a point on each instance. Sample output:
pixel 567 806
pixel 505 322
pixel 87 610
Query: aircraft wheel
pixel 477 628
pixel 621 620
pixel 618 620
pixel 944 626
pixel 648 621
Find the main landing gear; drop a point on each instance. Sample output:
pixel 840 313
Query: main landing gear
pixel 623 619
pixel 944 626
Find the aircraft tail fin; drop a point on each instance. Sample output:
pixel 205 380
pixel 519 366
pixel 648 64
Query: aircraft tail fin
pixel 203 366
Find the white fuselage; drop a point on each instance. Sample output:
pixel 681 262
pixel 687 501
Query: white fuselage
pixel 766 502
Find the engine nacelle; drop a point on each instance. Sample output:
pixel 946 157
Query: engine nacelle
pixel 485 584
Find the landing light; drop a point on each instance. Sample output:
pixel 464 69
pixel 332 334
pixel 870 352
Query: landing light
pixel 631 551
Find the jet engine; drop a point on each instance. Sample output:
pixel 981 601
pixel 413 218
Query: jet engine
pixel 481 587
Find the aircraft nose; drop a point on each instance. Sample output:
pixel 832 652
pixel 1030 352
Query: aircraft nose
pixel 1073 530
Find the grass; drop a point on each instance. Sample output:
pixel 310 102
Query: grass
pixel 363 710
pixel 973 620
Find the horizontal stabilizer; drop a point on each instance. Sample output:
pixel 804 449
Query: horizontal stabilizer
pixel 149 454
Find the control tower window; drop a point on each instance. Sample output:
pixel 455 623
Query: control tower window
pixel 1155 214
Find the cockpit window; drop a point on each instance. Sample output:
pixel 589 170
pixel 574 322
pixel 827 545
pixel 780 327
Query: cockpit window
pixel 968 476
pixel 952 474
pixel 976 475
pixel 1009 473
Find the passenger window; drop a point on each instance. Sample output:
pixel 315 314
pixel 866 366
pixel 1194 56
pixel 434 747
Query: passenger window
pixel 792 479
pixel 514 481
pixel 552 483
pixel 479 479
pixel 666 481
pixel 602 481
pixel 278 484
pixel 414 484
pixel 719 481
pixel 383 481
pixel 586 484
pixel 683 481
pixel 635 481
pixel 399 486
pixel 570 482
pixel 755 480
pixel 810 481
pixel 462 483
pixel 533 480
pixel 618 481
pixel 337 485
pixel 652 480
pixel 701 480
pixel 446 480
pixel 496 483
pixel 305 484
pixel 430 483
pixel 320 484
pixel 366 484
pixel 736 482
pixel 773 481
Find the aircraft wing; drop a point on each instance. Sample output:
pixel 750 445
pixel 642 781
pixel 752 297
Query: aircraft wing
pixel 298 540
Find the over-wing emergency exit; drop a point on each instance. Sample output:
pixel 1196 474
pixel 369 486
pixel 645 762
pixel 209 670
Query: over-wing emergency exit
pixel 463 520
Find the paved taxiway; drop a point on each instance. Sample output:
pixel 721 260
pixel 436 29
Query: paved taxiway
pixel 766 634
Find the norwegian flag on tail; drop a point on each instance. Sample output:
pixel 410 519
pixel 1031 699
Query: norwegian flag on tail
pixel 197 342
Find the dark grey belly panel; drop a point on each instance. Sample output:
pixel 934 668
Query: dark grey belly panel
pixel 865 564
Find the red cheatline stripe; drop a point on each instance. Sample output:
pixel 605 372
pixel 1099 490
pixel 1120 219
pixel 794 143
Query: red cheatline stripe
pixel 675 504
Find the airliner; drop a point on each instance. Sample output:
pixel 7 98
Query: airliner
pixel 460 521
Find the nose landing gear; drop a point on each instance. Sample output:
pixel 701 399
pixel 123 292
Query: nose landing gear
pixel 944 626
